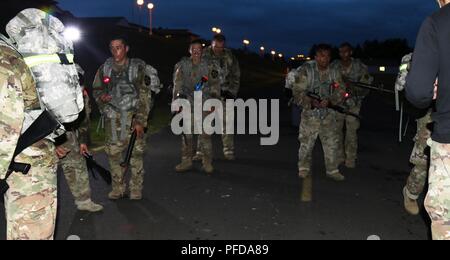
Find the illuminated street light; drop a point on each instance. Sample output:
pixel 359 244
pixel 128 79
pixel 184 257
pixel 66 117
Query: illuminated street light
pixel 246 42
pixel 73 34
pixel 262 51
pixel 280 55
pixel 273 55
pixel 218 31
pixel 150 7
pixel 140 3
pixel 214 29
pixel 292 58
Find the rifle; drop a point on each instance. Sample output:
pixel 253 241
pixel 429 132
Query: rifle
pixel 126 162
pixel 44 125
pixel 369 86
pixel 333 107
pixel 178 96
pixel 92 164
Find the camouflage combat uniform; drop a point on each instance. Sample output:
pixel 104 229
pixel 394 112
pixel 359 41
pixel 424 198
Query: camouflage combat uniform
pixel 419 158
pixel 438 196
pixel 31 201
pixel 318 122
pixel 118 128
pixel 231 74
pixel 186 77
pixel 74 166
pixel 348 145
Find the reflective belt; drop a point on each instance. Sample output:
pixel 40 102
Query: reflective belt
pixel 36 60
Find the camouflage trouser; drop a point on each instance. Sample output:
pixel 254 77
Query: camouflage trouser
pixel 204 143
pixel 227 139
pixel 116 151
pixel 437 201
pixel 312 127
pixel 418 176
pixel 204 146
pixel 76 173
pixel 31 201
pixel 348 142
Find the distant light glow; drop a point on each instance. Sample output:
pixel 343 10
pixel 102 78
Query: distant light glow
pixel 72 33
pixel 150 6
pixel 382 69
pixel 246 42
pixel 262 48
pixel 273 52
pixel 140 2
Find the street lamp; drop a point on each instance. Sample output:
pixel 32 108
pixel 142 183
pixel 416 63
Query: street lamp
pixel 262 50
pixel 150 7
pixel 246 44
pixel 140 3
pixel 219 31
pixel 273 55
pixel 214 29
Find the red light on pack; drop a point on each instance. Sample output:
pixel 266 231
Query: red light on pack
pixel 205 79
pixel 106 80
pixel 346 95
pixel 335 85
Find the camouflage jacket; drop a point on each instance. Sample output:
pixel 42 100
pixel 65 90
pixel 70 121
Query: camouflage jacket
pixel 229 66
pixel 357 72
pixel 328 85
pixel 187 75
pixel 15 77
pixel 100 87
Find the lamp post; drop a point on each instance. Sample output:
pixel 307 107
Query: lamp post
pixel 140 3
pixel 246 44
pixel 150 7
pixel 262 51
pixel 273 55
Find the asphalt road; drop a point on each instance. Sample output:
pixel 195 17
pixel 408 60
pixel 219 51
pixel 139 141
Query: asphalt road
pixel 258 195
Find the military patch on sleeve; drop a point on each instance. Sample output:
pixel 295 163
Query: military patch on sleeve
pixel 214 74
pixel 147 80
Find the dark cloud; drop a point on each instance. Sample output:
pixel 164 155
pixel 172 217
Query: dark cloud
pixel 289 26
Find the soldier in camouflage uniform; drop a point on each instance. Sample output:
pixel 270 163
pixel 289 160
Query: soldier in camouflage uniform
pixel 351 70
pixel 71 154
pixel 31 201
pixel 419 157
pixel 122 91
pixel 229 67
pixel 317 120
pixel 188 73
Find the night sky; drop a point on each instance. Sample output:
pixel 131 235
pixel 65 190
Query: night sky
pixel 287 26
